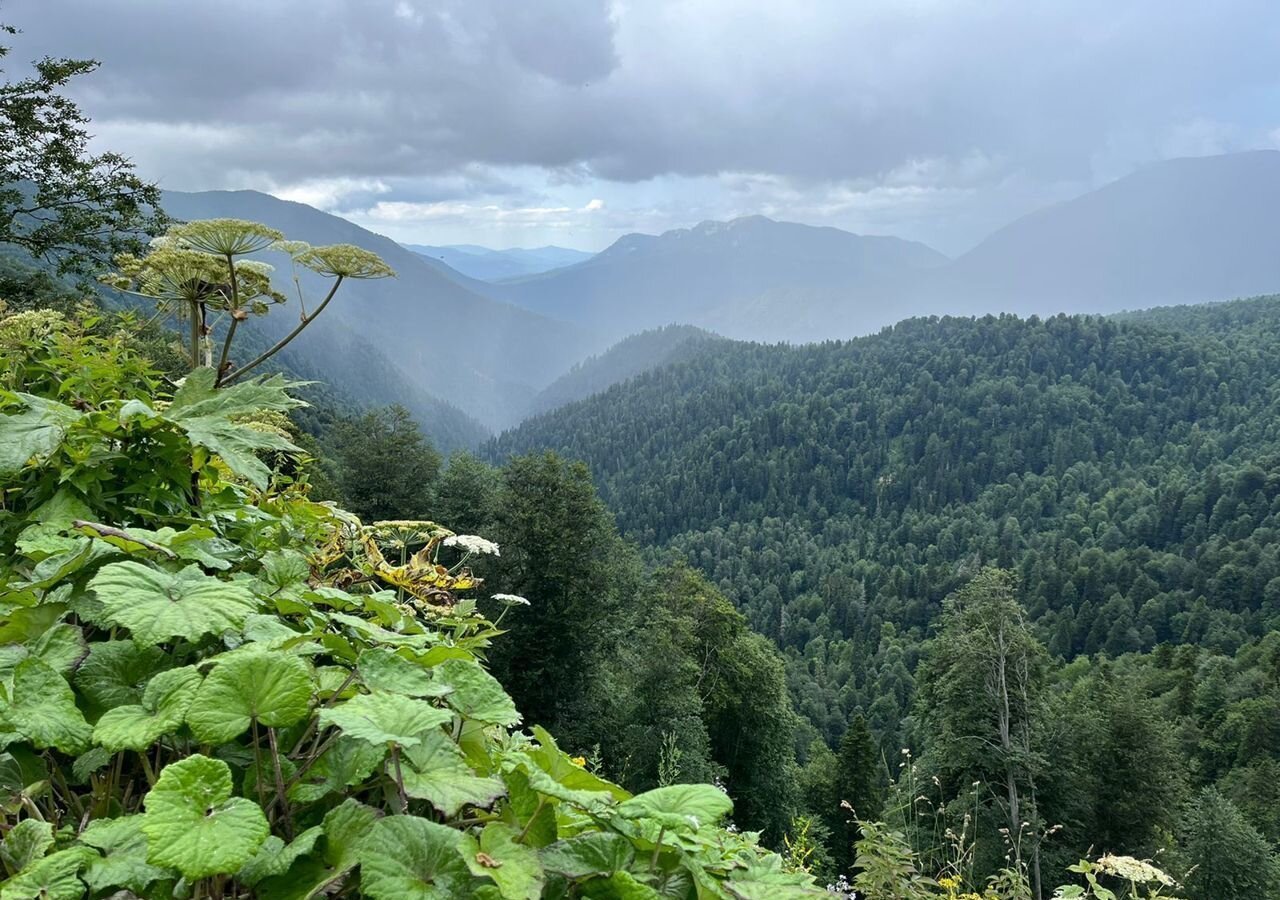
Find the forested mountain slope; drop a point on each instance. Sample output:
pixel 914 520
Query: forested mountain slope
pixel 839 491
pixel 482 355
pixel 625 359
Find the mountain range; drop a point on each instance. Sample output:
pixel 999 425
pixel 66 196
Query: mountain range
pixel 1184 230
pixel 484 264
pixel 470 356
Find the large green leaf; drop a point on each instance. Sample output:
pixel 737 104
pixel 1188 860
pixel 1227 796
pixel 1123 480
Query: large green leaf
pixel 499 855
pixel 124 864
pixel 54 877
pixel 162 710
pixel 197 397
pixel 585 855
pixel 62 646
pixel 345 828
pixel 272 688
pixel 26 842
pixel 43 709
pixel 117 672
pixel 194 825
pixel 476 694
pixel 275 858
pixel 382 718
pixel 407 858
pixel 685 807
pixel 34 433
pixel 436 771
pixel 348 761
pixel 158 606
pixel 382 669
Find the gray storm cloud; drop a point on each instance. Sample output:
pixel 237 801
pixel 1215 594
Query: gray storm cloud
pixel 815 92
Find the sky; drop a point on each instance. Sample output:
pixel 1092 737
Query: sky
pixel 573 122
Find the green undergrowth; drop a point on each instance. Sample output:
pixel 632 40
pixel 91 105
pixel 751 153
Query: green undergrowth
pixel 214 686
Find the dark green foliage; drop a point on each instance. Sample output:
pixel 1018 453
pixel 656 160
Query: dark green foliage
pixel 385 468
pixel 1232 861
pixel 59 202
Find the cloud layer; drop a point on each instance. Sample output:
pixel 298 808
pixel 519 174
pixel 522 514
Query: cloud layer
pixel 932 118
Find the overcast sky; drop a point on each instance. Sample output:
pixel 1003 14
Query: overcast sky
pixel 525 122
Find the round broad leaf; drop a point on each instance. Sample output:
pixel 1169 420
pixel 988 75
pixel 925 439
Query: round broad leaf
pixel 43 709
pixel 436 771
pixel 159 606
pixel 125 862
pixel 514 868
pixel 272 688
pixel 164 704
pixel 381 718
pixel 404 857
pixel 679 806
pixel 476 694
pixel 194 825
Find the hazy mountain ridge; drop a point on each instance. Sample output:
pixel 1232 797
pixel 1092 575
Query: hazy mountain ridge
pixel 1185 230
pixel 708 275
pixel 485 264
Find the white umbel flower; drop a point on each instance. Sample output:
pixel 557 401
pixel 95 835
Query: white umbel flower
pixel 511 599
pixel 472 544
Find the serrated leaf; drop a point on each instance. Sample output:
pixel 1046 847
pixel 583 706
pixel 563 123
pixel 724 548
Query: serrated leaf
pixel 585 855
pixel 197 396
pixel 476 694
pixel 158 606
pixel 162 710
pixel 512 866
pixel 382 718
pixel 283 569
pixel 436 771
pixel 407 857
pixel 275 858
pixel 115 673
pixel 684 807
pixel 194 825
pixel 384 670
pixel 345 828
pixel 26 842
pixel 34 433
pixel 55 877
pixel 272 688
pixel 125 863
pixel 347 762
pixel 89 762
pixel 43 709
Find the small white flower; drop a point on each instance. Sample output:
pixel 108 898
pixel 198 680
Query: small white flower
pixel 472 544
pixel 511 599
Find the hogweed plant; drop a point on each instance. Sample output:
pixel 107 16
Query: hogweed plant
pixel 212 685
pixel 198 271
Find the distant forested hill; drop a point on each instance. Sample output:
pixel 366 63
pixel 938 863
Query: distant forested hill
pixel 625 359
pixel 837 492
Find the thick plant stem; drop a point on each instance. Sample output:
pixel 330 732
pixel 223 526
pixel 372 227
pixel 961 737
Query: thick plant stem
pixel 220 372
pixel 284 341
pixel 280 796
pixel 195 334
pixel 395 761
